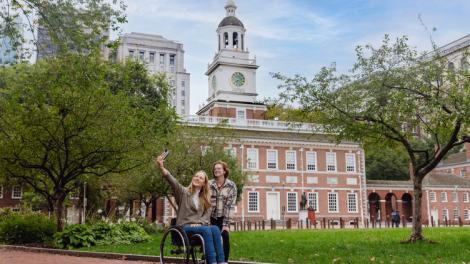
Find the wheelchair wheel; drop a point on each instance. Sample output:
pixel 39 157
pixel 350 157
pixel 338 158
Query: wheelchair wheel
pixel 175 246
pixel 198 252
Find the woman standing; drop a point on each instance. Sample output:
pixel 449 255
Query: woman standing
pixel 194 210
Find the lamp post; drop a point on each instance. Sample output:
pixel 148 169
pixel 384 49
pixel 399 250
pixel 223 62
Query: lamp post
pixel 84 203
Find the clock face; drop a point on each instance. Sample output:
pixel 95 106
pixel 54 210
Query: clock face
pixel 238 79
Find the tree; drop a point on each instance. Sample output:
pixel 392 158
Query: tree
pixel 391 91
pixel 61 125
pixel 191 149
pixel 81 24
pixel 386 162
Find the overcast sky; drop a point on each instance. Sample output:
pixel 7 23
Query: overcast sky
pixel 295 36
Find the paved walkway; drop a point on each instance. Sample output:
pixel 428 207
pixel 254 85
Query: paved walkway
pixel 20 257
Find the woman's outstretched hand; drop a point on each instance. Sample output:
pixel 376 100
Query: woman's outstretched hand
pixel 159 163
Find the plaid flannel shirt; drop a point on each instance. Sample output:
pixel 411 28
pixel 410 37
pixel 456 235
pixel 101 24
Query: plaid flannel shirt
pixel 222 199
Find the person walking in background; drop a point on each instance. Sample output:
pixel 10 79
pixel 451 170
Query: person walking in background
pixel 224 196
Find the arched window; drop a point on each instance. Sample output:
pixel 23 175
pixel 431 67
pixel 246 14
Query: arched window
pixel 218 38
pixel 235 40
pixel 226 39
pixel 451 66
pixel 464 64
pixel 243 41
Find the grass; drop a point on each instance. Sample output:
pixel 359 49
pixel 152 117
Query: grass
pixel 334 246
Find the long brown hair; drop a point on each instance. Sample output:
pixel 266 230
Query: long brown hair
pixel 205 193
pixel 224 165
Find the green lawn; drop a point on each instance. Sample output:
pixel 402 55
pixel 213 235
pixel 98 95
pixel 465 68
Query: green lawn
pixel 334 246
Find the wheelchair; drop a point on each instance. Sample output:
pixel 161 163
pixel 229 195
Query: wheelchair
pixel 177 246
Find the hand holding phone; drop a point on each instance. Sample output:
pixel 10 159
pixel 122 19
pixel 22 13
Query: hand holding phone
pixel 165 154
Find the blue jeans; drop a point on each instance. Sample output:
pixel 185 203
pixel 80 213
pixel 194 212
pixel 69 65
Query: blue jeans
pixel 212 242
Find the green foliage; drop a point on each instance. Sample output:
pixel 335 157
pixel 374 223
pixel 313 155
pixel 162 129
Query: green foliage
pixel 102 233
pixel 78 25
pixel 26 228
pixel 75 236
pixel 386 162
pixel 67 120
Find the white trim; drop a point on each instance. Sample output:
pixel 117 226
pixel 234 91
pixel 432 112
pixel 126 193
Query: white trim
pixel 267 159
pixel 295 160
pixel 296 201
pixel 315 160
pixel 248 158
pixel 355 201
pixel 257 202
pixel 335 161
pixel 244 113
pixel 313 172
pixel 455 197
pixel 465 197
pixel 435 197
pixel 13 192
pixel 445 196
pixel 278 194
pixel 317 207
pixel 346 162
pixel 337 202
pixel 279 187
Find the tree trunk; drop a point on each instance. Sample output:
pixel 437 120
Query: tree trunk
pixel 60 214
pixel 417 226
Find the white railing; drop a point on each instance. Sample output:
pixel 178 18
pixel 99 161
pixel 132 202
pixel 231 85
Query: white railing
pixel 258 124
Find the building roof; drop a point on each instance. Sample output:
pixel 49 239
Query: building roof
pixel 434 179
pixel 455 158
pixel 231 21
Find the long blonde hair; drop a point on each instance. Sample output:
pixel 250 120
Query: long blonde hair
pixel 205 193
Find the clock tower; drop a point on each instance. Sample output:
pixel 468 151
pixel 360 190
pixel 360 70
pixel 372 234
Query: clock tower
pixel 232 73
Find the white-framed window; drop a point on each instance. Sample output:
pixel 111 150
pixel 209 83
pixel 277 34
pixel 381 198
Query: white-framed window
pixel 465 197
pixel 292 202
pixel 456 213
pixel 271 155
pixel 466 214
pixel 332 180
pixel 17 192
pixel 241 113
pixel 1 192
pixel 253 202
pixel 141 55
pixel 445 214
pixel 331 161
pixel 312 180
pixel 290 160
pixel 332 202
pixel 313 200
pixel 232 152
pixel 162 59
pixel 291 179
pixel 172 59
pixel 311 160
pixel 75 194
pixel 152 57
pixel 350 162
pixel 455 197
pixel 252 158
pixel 351 181
pixel 352 203
pixel 272 179
pixel 131 54
pixel 443 197
pixel 463 173
pixel 432 197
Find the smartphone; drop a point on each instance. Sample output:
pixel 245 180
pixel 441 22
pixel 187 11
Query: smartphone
pixel 165 153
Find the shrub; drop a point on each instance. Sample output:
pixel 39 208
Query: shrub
pixel 29 228
pixel 75 236
pixel 101 233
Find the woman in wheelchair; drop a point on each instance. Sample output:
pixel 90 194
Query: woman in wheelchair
pixel 194 211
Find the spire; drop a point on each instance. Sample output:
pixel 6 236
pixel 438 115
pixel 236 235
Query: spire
pixel 230 7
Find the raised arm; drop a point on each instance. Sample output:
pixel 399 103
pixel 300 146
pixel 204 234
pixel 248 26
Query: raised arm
pixel 177 188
